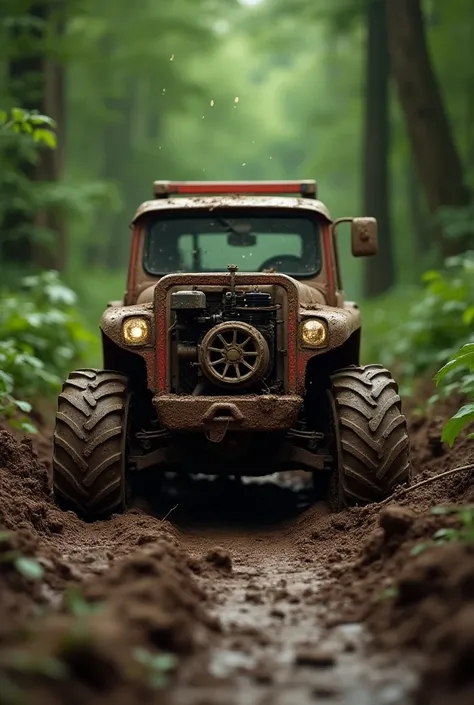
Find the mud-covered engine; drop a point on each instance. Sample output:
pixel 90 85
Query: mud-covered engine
pixel 223 340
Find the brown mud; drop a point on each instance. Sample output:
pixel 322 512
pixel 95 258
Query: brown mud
pixel 247 593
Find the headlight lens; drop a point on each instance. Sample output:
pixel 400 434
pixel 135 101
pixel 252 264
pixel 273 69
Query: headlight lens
pixel 136 331
pixel 313 333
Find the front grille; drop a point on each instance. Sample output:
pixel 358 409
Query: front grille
pixel 183 334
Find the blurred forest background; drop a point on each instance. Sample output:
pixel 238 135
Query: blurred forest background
pixel 372 98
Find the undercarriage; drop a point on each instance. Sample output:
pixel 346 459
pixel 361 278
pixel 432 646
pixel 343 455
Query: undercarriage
pixel 231 453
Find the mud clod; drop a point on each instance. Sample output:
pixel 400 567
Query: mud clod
pixel 395 520
pixel 219 558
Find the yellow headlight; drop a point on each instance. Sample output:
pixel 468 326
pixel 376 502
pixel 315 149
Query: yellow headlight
pixel 313 333
pixel 136 331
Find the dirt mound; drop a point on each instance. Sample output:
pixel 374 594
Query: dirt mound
pixel 106 612
pixel 88 612
pixel 117 639
pixel 408 572
pixel 32 570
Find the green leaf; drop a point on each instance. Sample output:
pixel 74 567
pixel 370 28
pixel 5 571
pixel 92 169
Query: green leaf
pixel 45 136
pixel 143 656
pixel 457 423
pixel 448 534
pixel 464 358
pixel 468 316
pixel 37 119
pixel 29 568
pixel 440 511
pixel 47 666
pixel 28 427
pixel 431 276
pixel 23 406
pixel 164 662
pixel 419 548
pixel 18 114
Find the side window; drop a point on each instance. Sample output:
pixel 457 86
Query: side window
pixel 337 263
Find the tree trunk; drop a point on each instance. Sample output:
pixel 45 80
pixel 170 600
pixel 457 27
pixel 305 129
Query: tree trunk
pixel 50 167
pixel 431 139
pixel 117 163
pixel 379 271
pixel 24 84
pixel 36 83
pixel 424 233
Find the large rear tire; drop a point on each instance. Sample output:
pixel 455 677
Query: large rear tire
pixel 370 434
pixel 90 443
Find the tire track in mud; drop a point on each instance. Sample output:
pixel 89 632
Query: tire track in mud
pixel 264 590
pixel 246 572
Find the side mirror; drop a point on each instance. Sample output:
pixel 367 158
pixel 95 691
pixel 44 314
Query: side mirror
pixel 364 237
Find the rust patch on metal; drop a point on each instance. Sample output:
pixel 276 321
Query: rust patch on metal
pixel 250 412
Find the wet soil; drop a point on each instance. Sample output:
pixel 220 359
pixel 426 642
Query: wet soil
pixel 247 593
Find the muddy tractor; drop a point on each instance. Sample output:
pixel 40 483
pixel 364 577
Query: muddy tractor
pixel 233 352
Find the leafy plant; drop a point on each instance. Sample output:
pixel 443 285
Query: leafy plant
pixel 463 534
pixel 41 339
pixel 456 222
pixel 158 666
pixel 20 664
pixel 78 606
pixel 26 566
pixel 438 322
pixel 29 664
pixel 19 121
pixel 462 360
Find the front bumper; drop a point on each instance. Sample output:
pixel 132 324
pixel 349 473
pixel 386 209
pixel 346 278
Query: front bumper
pixel 251 412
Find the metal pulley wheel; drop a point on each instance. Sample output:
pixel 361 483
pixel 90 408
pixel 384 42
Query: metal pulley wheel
pixel 234 353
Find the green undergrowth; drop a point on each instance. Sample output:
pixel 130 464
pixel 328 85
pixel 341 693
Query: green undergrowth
pixel 462 533
pixel 415 332
pixel 41 338
pixel 94 289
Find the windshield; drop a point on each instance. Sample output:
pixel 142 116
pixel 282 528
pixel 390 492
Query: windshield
pixel 209 242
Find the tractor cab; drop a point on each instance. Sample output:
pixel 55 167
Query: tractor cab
pixel 264 226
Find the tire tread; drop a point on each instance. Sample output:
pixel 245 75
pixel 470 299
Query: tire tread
pixel 373 436
pixel 88 443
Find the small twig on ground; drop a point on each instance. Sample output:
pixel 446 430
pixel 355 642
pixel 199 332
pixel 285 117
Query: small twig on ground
pixel 405 491
pixel 168 513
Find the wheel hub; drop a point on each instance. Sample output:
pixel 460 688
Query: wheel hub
pixel 234 353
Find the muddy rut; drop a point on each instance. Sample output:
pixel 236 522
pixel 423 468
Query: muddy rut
pixel 274 647
pixel 246 593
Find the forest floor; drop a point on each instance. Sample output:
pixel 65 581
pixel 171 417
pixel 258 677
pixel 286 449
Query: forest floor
pixel 257 596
